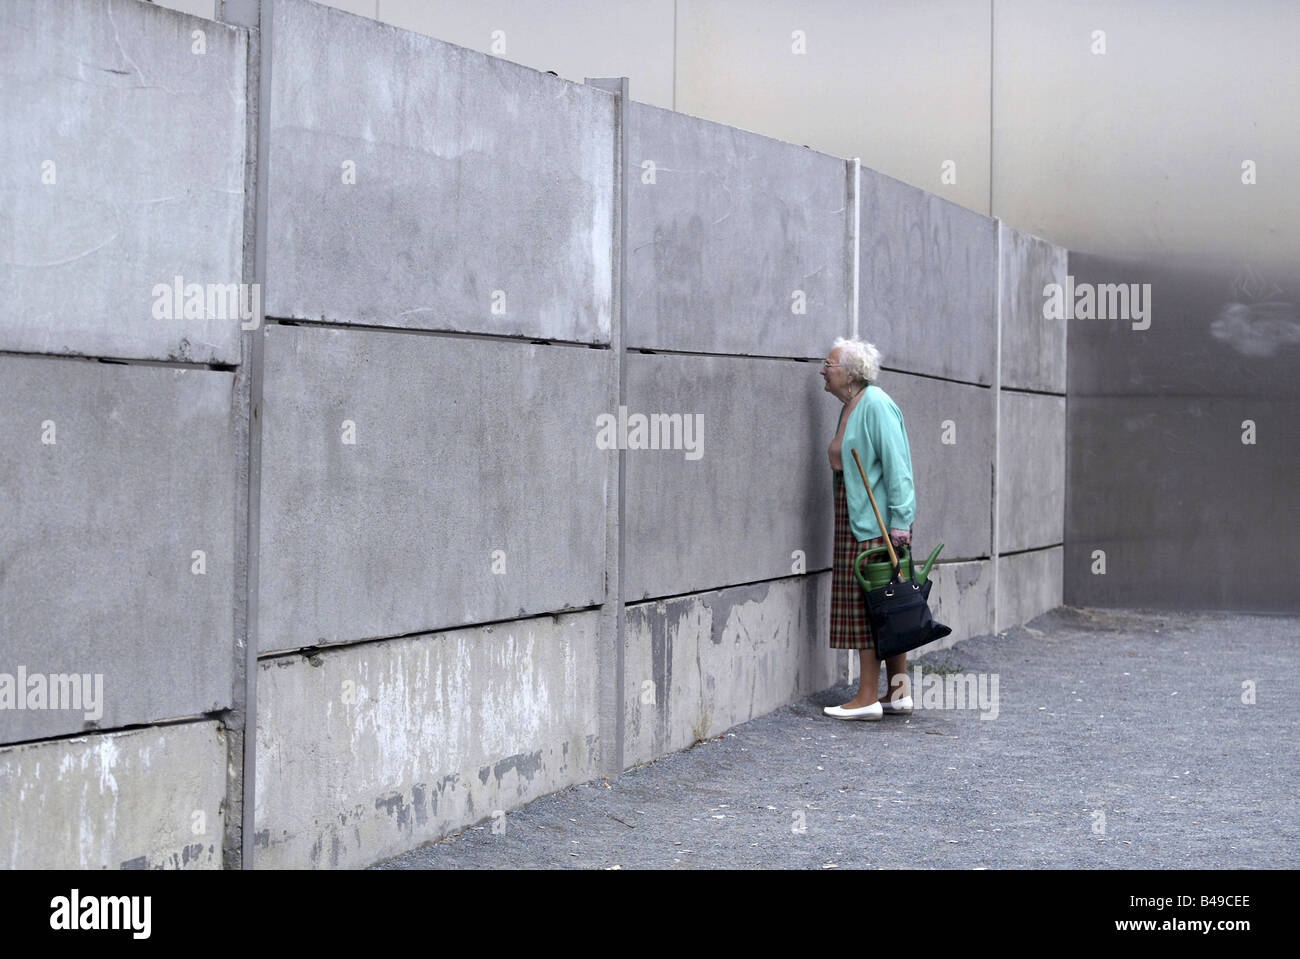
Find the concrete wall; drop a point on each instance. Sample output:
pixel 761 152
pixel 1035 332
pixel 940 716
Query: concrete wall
pixel 365 751
pixel 429 592
pixel 1184 438
pixel 1030 471
pixel 137 799
pixel 120 508
pixel 737 244
pixel 700 664
pixel 929 281
pixel 467 489
pixel 118 538
pixel 130 189
pixel 484 205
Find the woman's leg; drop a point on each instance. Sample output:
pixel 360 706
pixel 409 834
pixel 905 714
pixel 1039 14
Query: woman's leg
pixel 896 667
pixel 868 680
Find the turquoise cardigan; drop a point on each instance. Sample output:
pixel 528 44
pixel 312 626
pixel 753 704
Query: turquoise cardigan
pixel 877 432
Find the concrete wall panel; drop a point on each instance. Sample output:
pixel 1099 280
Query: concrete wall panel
pixel 1029 584
pixel 1033 347
pixel 953 480
pixel 928 281
pixel 367 751
pixel 462 447
pixel 759 490
pixel 698 665
pixel 141 799
pixel 1031 487
pixel 733 235
pixel 962 599
pixel 121 167
pixel 473 175
pixel 114 475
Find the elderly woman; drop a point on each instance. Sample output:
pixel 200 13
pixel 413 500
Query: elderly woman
pixel 872 424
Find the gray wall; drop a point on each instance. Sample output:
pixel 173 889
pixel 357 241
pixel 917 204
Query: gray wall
pixel 1031 401
pixel 124 154
pixel 1184 440
pixel 456 601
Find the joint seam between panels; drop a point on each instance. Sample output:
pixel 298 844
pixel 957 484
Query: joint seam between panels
pixel 799 577
pixel 669 597
pixel 1033 392
pixel 1032 549
pixel 430 633
pixel 647 351
pixel 216 716
pixel 129 361
pixel 521 338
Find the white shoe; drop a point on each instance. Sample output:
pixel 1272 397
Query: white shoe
pixel 900 707
pixel 874 711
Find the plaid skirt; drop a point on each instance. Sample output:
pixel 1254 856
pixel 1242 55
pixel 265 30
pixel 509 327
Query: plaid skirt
pixel 850 622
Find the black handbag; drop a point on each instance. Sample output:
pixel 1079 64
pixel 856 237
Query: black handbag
pixel 899 610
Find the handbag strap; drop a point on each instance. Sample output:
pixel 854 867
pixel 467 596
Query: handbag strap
pixel 893 556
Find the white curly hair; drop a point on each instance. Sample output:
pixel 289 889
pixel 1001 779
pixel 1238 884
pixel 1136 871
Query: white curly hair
pixel 860 359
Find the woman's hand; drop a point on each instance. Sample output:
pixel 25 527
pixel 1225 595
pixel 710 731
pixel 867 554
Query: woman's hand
pixel 901 537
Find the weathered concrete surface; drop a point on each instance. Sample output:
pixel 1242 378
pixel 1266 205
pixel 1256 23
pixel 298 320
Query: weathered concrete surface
pixel 737 243
pixel 121 167
pixel 1029 584
pixel 1171 764
pixel 1031 485
pixel 365 751
pixel 698 665
pixel 950 435
pixel 141 799
pixel 1033 346
pixel 760 489
pixel 961 598
pixel 928 281
pixel 473 175
pixel 463 448
pixel 98 534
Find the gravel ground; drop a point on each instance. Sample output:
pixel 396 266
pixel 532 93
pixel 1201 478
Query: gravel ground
pixel 1121 740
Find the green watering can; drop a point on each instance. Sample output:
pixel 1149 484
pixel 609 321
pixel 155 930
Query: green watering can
pixel 880 572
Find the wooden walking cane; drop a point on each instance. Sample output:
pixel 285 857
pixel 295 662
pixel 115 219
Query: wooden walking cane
pixel 889 542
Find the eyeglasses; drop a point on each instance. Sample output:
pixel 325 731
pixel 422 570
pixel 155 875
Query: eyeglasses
pixel 827 365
